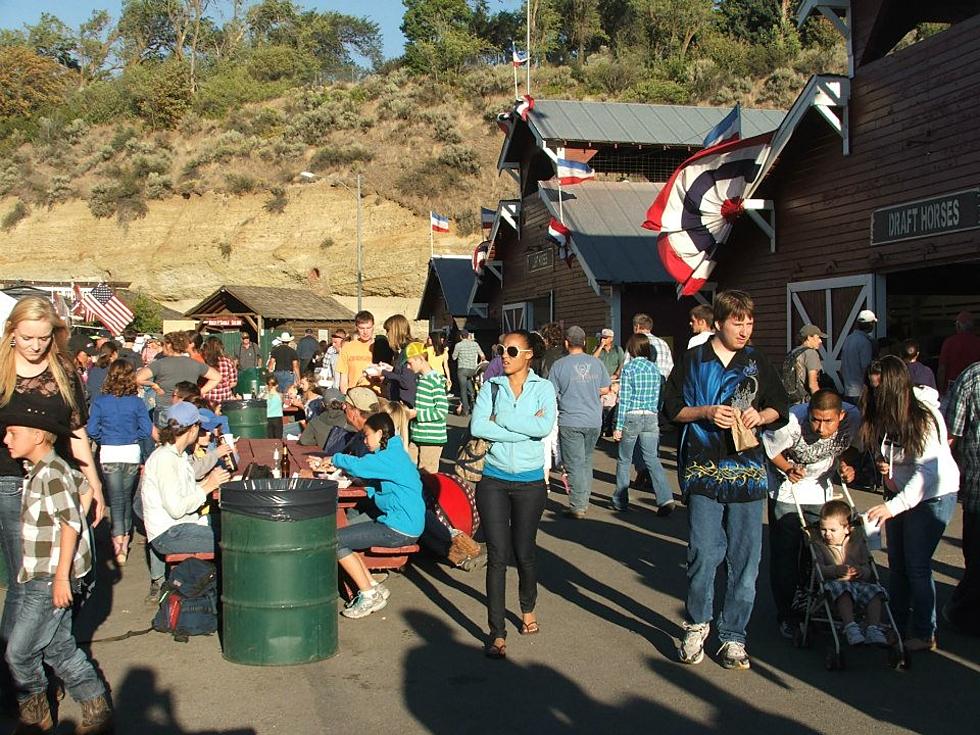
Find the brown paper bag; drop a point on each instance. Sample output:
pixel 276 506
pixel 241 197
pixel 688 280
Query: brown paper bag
pixel 744 438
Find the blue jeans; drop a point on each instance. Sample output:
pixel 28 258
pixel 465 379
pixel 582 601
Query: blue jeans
pixel 467 395
pixel 577 445
pixel 184 538
pixel 286 378
pixel 119 479
pixel 912 539
pixel 363 532
pixel 730 533
pixel 42 635
pixel 642 429
pixel 11 492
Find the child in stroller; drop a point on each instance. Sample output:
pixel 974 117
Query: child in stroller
pixel 841 554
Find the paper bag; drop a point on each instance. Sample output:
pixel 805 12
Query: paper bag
pixel 744 438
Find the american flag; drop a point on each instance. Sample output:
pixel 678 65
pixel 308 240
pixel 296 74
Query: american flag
pixel 107 308
pixel 78 308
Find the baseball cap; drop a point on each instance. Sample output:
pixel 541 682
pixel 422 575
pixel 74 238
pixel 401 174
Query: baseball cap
pixel 363 399
pixel 184 413
pixel 414 349
pixel 575 335
pixel 810 330
pixel 964 317
pixel 866 316
pixel 80 342
pixel 608 333
pixel 209 419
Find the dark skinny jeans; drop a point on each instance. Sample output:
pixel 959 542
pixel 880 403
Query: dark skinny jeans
pixel 509 514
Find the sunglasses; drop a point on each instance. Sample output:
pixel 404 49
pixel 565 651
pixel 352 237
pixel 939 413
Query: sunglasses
pixel 515 351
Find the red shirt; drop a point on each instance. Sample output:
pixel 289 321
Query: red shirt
pixel 226 386
pixel 958 352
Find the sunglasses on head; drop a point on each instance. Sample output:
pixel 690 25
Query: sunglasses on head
pixel 513 351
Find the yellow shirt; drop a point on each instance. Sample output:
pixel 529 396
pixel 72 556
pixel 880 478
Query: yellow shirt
pixel 438 362
pixel 354 357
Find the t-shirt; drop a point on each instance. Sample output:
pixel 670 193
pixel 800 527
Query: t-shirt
pixel 248 357
pixel 855 356
pixel 700 338
pixel 306 348
pixel 804 359
pixel 437 362
pixel 354 357
pixel 958 352
pixel 805 447
pixel 429 425
pixel 612 359
pixel 131 357
pixel 921 374
pixel 173 369
pixel 284 355
pixel 577 380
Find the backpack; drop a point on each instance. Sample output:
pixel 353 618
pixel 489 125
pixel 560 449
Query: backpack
pixel 189 601
pixel 794 376
pixel 469 460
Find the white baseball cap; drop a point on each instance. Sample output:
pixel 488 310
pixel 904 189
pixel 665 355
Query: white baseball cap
pixel 866 316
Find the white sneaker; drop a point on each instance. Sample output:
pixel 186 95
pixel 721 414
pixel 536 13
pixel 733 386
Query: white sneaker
pixel 382 589
pixel 364 604
pixel 852 631
pixel 875 636
pixel 691 649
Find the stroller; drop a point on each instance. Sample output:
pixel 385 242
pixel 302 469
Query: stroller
pixel 818 605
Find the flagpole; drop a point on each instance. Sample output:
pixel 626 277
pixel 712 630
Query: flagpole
pixel 513 52
pixel 561 207
pixel 527 87
pixel 432 241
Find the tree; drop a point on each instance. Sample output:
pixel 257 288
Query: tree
pixel 583 24
pixel 751 20
pixel 51 38
pixel 145 31
pixel 331 38
pixel 95 41
pixel 29 82
pixel 545 27
pixel 146 314
pixel 672 25
pixel 439 35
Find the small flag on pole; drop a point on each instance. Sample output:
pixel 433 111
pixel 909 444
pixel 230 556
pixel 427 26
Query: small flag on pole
pixel 563 238
pixel 524 105
pixel 573 172
pixel 108 309
pixel 439 222
pixel 519 57
pixel 78 308
pixel 730 128
pixel 61 307
pixel 487 216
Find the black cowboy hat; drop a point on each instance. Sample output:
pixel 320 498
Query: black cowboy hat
pixel 33 411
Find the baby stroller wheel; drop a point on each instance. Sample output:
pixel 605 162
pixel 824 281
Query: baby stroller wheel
pixel 834 660
pixel 900 660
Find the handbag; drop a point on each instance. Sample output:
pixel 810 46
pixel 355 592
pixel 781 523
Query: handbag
pixel 473 452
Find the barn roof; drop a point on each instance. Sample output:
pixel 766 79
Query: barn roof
pixel 271 302
pixel 453 277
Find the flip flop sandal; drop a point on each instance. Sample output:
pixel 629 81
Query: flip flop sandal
pixel 531 628
pixel 493 650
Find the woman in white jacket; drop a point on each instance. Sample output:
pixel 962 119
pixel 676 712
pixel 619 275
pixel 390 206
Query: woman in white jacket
pixel 921 480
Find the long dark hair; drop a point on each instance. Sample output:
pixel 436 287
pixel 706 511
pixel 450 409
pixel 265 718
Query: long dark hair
pixel 381 422
pixel 893 409
pixel 438 343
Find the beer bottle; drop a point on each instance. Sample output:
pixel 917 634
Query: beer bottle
pixel 276 464
pixel 229 461
pixel 285 470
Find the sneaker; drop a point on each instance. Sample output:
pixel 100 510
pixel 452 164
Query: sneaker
pixel 852 631
pixel 576 514
pixel 875 636
pixel 383 590
pixel 733 656
pixel 691 649
pixel 666 509
pixel 787 629
pixel 364 604
pixel 153 596
pixel 473 563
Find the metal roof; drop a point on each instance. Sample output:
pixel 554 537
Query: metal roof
pixel 456 276
pixel 605 219
pixel 639 124
pixel 271 302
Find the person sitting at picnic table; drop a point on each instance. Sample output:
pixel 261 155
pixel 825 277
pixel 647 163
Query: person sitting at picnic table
pixel 172 497
pixel 397 518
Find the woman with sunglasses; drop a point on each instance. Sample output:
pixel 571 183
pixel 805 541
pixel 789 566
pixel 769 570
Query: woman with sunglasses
pixel 513 412
pixel 921 481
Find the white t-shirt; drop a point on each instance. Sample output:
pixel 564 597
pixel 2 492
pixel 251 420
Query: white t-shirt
pixel 700 338
pixel 818 456
pixel 170 493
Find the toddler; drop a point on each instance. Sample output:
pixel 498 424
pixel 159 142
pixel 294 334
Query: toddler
pixel 273 408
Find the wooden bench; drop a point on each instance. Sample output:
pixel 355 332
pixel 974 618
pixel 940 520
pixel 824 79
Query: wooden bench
pixel 177 558
pixel 384 557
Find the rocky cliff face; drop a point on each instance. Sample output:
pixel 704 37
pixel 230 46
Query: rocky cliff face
pixel 185 248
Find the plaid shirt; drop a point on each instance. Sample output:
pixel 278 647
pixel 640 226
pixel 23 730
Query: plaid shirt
pixel 639 389
pixel 51 498
pixel 963 419
pixel 226 386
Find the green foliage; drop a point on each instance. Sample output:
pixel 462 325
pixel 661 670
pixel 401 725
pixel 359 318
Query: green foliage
pixel 146 314
pixel 276 203
pixel 123 197
pixel 29 82
pixel 160 92
pixel 337 156
pixel 781 88
pixel 59 190
pixel 239 184
pixel 19 211
pixel 444 130
pixel 460 158
pixel 158 186
pixel 275 63
pixel 607 76
pixel 428 178
pixel 657 91
pixel 439 36
pixel 314 126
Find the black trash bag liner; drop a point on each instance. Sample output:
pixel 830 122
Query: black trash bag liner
pixel 295 499
pixel 241 405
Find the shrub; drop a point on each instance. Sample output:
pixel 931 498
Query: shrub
pixel 59 190
pixel 158 186
pixel 160 92
pixel 326 243
pixel 122 198
pixel 120 137
pixel 276 203
pixel 225 249
pixel 467 221
pixel 100 103
pixel 461 158
pixel 231 88
pixel 278 149
pixel 610 77
pixel 239 184
pixel 444 130
pixel 781 88
pixel 19 211
pixel 9 178
pixel 332 156
pixel 273 63
pixel 658 92
pixel 428 179
pixel 143 165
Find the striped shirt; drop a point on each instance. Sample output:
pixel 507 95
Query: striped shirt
pixel 639 388
pixel 963 418
pixel 467 354
pixel 51 498
pixel 432 408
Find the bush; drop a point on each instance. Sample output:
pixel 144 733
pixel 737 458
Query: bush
pixel 781 88
pixel 314 126
pixel 657 92
pixel 160 92
pixel 444 130
pixel 19 211
pixel 274 63
pixel 59 190
pixel 231 88
pixel 467 221
pixel 122 198
pixel 278 149
pixel 100 103
pixel 158 186
pixel 604 75
pixel 461 158
pixel 225 249
pixel 120 137
pixel 276 203
pixel 9 178
pixel 428 179
pixel 333 156
pixel 326 243
pixel 239 184
pixel 143 165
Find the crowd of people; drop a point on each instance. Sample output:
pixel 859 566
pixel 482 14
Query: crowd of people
pixel 133 428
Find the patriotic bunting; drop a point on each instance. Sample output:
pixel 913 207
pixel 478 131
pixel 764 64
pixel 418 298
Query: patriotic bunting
pixel 524 105
pixel 438 222
pixel 487 216
pixel 562 237
pixel 480 255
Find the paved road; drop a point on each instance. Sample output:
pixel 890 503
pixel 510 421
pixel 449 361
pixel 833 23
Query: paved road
pixel 609 606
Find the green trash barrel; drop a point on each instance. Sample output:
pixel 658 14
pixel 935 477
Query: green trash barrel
pixel 251 381
pixel 246 418
pixel 279 571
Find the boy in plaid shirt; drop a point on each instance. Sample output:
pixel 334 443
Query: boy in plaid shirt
pixel 56 555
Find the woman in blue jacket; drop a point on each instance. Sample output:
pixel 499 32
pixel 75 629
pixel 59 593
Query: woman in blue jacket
pixel 118 421
pixel 398 497
pixel 513 412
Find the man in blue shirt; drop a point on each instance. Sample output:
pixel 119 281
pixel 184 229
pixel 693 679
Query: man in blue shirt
pixel 579 380
pixel 722 391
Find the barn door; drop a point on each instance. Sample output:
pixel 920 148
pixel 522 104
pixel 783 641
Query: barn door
pixel 515 316
pixel 833 305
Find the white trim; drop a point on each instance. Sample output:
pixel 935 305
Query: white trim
pixel 522 307
pixel 837 12
pixel 480 310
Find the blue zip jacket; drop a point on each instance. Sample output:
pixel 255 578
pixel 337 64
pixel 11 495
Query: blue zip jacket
pixel 517 431
pixel 400 496
pixel 118 420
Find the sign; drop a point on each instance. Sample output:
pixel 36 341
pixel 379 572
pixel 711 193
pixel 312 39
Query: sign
pixel 926 217
pixel 222 321
pixel 540 260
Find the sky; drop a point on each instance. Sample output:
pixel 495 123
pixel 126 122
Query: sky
pixel 386 13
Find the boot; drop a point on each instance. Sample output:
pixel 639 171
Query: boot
pixel 35 716
pixel 96 717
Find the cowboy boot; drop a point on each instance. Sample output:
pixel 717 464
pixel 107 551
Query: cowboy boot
pixel 35 716
pixel 96 717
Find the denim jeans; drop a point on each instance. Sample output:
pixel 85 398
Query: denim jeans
pixel 964 605
pixel 467 395
pixel 577 445
pixel 286 378
pixel 11 493
pixel 42 635
pixel 363 532
pixel 730 533
pixel 509 516
pixel 787 559
pixel 184 538
pixel 119 479
pixel 641 429
pixel 912 540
